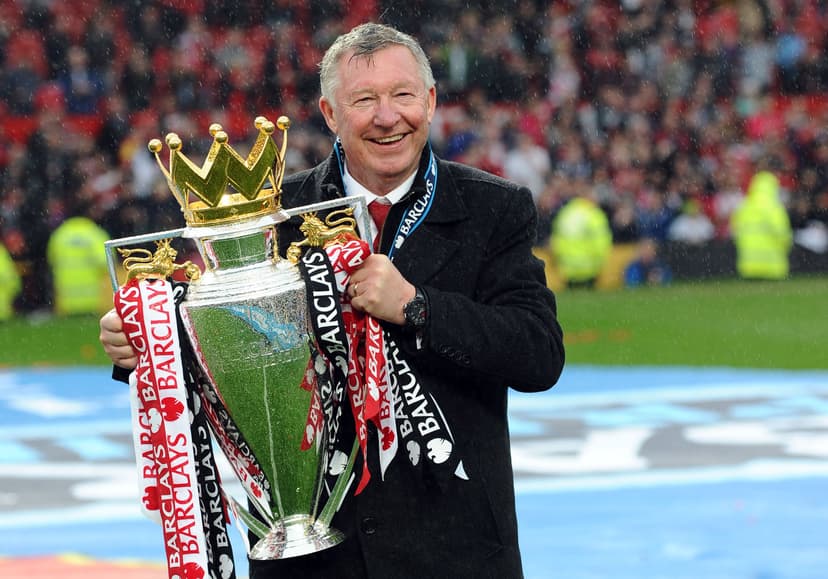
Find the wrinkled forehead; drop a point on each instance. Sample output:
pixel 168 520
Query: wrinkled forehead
pixel 393 64
pixel 369 57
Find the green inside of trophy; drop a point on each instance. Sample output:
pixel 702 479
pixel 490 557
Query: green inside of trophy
pixel 259 378
pixel 241 250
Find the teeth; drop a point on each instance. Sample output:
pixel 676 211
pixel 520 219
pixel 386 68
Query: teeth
pixel 390 139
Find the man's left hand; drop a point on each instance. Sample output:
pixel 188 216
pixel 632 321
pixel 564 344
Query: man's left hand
pixel 379 289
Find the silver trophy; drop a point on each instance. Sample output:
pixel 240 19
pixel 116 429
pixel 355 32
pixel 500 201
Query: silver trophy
pixel 246 317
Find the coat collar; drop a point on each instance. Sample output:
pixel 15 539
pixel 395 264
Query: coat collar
pixel 448 204
pixel 428 250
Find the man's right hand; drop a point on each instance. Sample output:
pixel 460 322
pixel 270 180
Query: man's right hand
pixel 115 342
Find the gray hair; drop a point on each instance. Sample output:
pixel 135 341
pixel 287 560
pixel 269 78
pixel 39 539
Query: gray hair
pixel 365 40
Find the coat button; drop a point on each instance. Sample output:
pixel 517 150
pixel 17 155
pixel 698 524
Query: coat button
pixel 368 525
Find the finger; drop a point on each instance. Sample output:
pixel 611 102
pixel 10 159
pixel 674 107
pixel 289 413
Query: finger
pixel 111 321
pixel 356 304
pixel 129 362
pixel 121 355
pixel 114 339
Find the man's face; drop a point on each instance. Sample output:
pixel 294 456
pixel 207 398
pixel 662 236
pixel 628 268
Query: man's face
pixel 381 112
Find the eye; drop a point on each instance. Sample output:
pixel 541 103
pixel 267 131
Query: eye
pixel 365 101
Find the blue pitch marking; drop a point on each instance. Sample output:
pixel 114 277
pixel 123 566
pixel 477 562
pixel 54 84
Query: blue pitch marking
pixel 74 408
pixel 42 398
pixel 722 529
pixel 649 415
pixel 12 452
pixel 94 448
pixel 740 530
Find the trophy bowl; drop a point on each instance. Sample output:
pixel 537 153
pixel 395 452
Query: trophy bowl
pixel 247 321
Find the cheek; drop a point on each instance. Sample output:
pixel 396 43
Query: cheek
pixel 352 125
pixel 420 118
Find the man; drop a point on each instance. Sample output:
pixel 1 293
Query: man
pixel 647 268
pixel 78 266
pixel 761 230
pixel 9 283
pixel 581 241
pixel 456 288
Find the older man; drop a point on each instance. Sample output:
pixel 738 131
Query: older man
pixel 457 289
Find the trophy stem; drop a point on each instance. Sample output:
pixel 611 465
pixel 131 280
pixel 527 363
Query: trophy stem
pixel 294 536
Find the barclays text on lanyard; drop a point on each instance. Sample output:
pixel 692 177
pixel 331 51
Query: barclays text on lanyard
pixel 417 209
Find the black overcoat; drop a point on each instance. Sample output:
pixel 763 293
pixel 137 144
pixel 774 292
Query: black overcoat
pixel 491 326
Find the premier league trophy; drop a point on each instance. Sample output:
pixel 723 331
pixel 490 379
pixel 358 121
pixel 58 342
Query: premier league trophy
pixel 246 323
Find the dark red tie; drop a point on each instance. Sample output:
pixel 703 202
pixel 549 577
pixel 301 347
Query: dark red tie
pixel 379 211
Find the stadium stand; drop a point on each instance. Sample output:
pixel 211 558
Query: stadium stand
pixel 645 104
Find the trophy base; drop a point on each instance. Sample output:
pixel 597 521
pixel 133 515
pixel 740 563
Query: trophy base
pixel 295 536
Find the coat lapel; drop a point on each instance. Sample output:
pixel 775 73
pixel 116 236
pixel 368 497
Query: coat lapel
pixel 428 250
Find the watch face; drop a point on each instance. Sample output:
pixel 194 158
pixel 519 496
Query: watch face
pixel 415 312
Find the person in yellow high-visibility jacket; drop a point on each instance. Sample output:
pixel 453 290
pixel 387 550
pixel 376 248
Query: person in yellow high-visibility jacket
pixel 581 241
pixel 78 261
pixel 761 230
pixel 9 284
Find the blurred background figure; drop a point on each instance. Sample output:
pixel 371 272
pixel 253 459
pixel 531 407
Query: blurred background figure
pixel 83 88
pixel 581 241
pixel 9 284
pixel 78 264
pixel 528 164
pixel 691 226
pixel 761 230
pixel 647 269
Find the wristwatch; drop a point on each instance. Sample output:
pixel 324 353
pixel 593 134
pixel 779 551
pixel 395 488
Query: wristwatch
pixel 416 312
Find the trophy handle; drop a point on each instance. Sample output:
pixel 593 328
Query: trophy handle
pixel 358 203
pixel 112 246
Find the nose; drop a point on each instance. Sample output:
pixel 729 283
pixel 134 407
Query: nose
pixel 386 114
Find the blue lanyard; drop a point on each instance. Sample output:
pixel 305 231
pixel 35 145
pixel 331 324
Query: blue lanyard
pixel 417 209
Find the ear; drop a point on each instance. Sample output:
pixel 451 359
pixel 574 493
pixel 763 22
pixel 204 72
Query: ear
pixel 432 102
pixel 326 108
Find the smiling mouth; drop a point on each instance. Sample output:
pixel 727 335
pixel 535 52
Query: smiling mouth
pixel 389 140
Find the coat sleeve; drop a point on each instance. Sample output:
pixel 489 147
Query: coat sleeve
pixel 504 330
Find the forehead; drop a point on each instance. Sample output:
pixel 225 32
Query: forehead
pixel 386 68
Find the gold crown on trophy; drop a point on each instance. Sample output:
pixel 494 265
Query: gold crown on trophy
pixel 227 187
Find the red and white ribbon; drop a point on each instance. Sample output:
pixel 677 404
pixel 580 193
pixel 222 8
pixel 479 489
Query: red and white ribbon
pixel 163 440
pixel 367 379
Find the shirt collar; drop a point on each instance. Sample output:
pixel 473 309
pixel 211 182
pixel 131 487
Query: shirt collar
pixel 355 188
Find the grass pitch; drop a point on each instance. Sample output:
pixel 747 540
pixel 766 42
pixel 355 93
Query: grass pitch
pixel 716 323
pixel 51 341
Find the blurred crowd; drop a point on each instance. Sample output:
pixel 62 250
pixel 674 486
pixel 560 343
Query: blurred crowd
pixel 657 111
